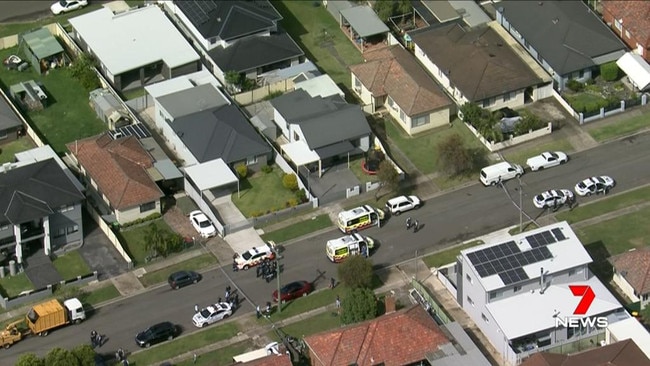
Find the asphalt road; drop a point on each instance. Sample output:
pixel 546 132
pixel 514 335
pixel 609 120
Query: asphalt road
pixel 444 221
pixel 25 10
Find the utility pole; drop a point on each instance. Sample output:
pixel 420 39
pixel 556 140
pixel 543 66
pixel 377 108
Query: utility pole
pixel 277 274
pixel 521 209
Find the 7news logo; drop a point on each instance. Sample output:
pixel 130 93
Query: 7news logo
pixel 587 297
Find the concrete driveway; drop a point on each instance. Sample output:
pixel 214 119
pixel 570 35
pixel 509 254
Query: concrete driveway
pixel 99 253
pixel 333 184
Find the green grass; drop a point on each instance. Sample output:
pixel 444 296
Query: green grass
pixel 134 93
pixel 71 265
pixel 11 286
pixel 8 29
pixel 318 34
pixel 298 229
pixel 585 101
pixel 222 356
pixel 9 150
pixel 355 167
pixel 315 300
pixel 100 295
pixel 68 116
pixel 606 205
pixel 134 238
pixel 262 193
pixel 193 264
pixel 312 325
pixel 179 346
pixel 520 156
pixel 621 128
pixel 449 255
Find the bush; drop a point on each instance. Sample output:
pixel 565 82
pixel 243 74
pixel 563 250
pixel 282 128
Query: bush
pixel 301 195
pixel 242 170
pixel 153 216
pixel 590 81
pixel 609 71
pixel 266 169
pixel 575 85
pixel 290 182
pixel 292 202
pixel 83 69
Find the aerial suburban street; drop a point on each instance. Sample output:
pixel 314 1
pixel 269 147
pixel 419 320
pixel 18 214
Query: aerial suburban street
pixel 445 220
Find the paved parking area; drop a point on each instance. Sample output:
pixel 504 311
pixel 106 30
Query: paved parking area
pixel 99 253
pixel 40 270
pixel 333 184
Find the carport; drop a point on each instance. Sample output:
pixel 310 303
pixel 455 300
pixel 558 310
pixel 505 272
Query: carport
pixel 210 175
pixel 301 155
pixel 636 69
pixel 363 26
pixel 42 50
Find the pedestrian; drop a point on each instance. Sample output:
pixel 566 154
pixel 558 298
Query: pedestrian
pixel 119 355
pixel 364 251
pixel 258 313
pixel 93 338
pixel 258 271
pixel 196 308
pixel 332 282
pixel 227 295
pixel 125 362
pixel 338 304
pixel 416 226
pixel 408 223
pixel 219 301
pixel 234 263
pixel 236 300
pixel 268 309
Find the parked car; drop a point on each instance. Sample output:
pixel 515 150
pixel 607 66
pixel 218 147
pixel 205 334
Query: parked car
pixel 212 314
pixel 254 256
pixel 547 159
pixel 553 198
pixel 202 224
pixel 180 279
pixel 64 6
pixel 293 290
pixel 595 185
pixel 165 331
pixel 401 204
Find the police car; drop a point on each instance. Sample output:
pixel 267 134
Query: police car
pixel 212 314
pixel 255 256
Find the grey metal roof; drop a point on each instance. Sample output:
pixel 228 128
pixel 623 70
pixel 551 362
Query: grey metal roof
pixel 106 101
pixel 253 52
pixel 192 100
pixel 167 169
pixel 567 34
pixel 323 121
pixel 442 10
pixel 33 191
pixel 222 132
pixel 229 19
pixel 335 7
pixel 472 14
pixel 8 119
pixel 364 21
pixel 42 43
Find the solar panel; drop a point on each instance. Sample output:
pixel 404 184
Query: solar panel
pixel 513 276
pixel 540 239
pixel 558 234
pixel 138 130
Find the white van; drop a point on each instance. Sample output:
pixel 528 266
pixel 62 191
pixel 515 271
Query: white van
pixel 492 174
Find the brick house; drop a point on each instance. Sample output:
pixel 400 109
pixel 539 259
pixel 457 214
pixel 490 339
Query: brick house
pixel 630 20
pixel 632 274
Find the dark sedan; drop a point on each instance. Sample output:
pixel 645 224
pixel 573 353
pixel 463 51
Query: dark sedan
pixel 293 290
pixel 157 333
pixel 180 279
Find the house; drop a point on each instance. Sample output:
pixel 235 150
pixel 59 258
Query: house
pixel 630 328
pixel 156 49
pixel 41 202
pixel 630 20
pixel 477 65
pixel 440 11
pixel 398 338
pixel 565 37
pixel 11 125
pixel 115 171
pixel 625 353
pixel 237 35
pixel 632 274
pixel 201 124
pixel 515 290
pixel 391 79
pixel 320 129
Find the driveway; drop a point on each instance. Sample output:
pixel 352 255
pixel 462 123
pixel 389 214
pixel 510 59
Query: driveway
pixel 99 253
pixel 333 184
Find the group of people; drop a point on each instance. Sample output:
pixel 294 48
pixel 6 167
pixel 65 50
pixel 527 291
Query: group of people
pixel 267 310
pixel 410 223
pixel 230 298
pixel 95 339
pixel 267 270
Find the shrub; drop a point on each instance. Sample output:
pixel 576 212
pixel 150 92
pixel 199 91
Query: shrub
pixel 141 220
pixel 242 170
pixel 83 69
pixel 609 71
pixel 257 213
pixel 575 85
pixel 590 81
pixel 301 195
pixel 273 95
pixel 266 169
pixel 292 202
pixel 290 182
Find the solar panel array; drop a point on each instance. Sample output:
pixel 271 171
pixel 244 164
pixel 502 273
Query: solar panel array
pixel 199 11
pixel 507 259
pixel 138 130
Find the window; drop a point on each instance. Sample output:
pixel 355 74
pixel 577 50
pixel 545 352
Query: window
pixel 66 208
pixel 59 232
pixel 618 24
pixel 73 229
pixel 581 74
pixel 516 288
pixel 572 272
pixel 391 102
pixel 296 136
pixel 469 300
pixel 469 279
pixel 147 206
pixel 251 160
pixel 485 318
pixel 3 135
pixel 420 121
pixel 506 97
pixel 488 102
pixel 402 115
pixel 357 84
pixel 495 294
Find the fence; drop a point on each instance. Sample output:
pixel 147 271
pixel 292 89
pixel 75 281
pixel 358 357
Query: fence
pixel 106 229
pixel 204 205
pixel 256 95
pixel 43 293
pixel 584 117
pixel 442 274
pixel 28 128
pixel 8 42
pixel 512 141
pixel 422 296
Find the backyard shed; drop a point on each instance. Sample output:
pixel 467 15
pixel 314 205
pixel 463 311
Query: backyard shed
pixel 41 49
pixel 109 109
pixel 29 95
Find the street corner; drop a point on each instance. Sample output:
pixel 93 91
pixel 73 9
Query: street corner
pixel 127 284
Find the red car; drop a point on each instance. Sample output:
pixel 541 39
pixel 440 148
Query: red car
pixel 293 290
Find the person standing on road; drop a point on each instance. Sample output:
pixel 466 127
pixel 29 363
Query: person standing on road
pixel 416 226
pixel 332 283
pixel 258 312
pixel 408 223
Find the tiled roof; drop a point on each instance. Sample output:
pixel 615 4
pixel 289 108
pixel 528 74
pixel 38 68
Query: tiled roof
pixel 270 360
pixel 395 72
pixel 634 265
pixel 635 16
pixel 624 353
pixel 119 169
pixel 399 338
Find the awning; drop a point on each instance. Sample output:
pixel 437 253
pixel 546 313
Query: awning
pixel 211 174
pixel 364 21
pixel 167 169
pixel 300 153
pixel 335 149
pixel 636 69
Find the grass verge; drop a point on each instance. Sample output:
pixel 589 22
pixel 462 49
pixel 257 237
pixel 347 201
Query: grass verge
pixel 12 286
pixel 262 193
pixel 298 229
pixel 194 264
pixel 621 128
pixel 317 323
pixel 449 255
pixel 222 356
pixel 520 156
pixel 179 346
pixel 9 150
pixel 71 265
pixel 100 295
pixel 606 205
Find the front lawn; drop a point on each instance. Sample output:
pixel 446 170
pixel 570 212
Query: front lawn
pixel 262 193
pixel 100 295
pixel 8 151
pixel 68 116
pixel 193 264
pixel 448 256
pixel 133 240
pixel 585 101
pixel 12 286
pixel 298 229
pixel 621 128
pixel 71 265
pixel 520 156
pixel 317 33
pixel 312 325
pixel 605 205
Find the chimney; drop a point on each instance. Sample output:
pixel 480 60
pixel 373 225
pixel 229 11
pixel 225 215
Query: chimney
pixel 542 280
pixel 389 303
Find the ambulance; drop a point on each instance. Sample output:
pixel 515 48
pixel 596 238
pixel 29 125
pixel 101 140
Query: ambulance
pixel 359 218
pixel 338 250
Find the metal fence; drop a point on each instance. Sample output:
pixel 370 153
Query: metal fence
pixel 421 294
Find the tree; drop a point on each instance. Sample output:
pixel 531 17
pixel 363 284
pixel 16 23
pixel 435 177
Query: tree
pixel 471 113
pixel 83 69
pixel 85 355
pixel 290 182
pixel 233 78
pixel 454 157
pixel 388 8
pixel 609 71
pixel 358 305
pixel 528 122
pixel 356 272
pixel 60 357
pixel 29 359
pixel 242 170
pixel 161 241
pixel 388 177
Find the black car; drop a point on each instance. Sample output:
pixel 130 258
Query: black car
pixel 183 278
pixel 156 334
